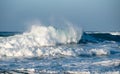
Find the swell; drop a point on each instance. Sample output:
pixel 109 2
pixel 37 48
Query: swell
pixel 98 37
pixel 7 34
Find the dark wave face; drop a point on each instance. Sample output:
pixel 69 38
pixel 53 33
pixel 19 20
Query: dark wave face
pixel 98 37
pixel 7 34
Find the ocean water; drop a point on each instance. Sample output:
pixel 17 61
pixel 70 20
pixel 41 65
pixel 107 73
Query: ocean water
pixel 51 50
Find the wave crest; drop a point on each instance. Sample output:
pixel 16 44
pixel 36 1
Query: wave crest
pixel 49 35
pixel 42 36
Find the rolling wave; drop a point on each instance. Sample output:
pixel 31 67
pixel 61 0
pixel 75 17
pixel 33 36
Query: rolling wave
pixel 99 37
pixel 38 36
pixel 43 36
pixel 46 41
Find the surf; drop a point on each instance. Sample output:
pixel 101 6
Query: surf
pixel 38 36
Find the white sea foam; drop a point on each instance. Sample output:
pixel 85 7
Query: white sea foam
pixel 99 52
pixel 115 33
pixel 30 43
pixel 108 63
pixel 32 71
pixel 55 51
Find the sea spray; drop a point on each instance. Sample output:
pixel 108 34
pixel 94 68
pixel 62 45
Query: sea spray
pixel 50 35
pixel 39 36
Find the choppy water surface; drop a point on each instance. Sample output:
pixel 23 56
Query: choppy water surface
pixel 54 51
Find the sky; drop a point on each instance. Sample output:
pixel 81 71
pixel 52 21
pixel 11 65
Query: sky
pixel 92 15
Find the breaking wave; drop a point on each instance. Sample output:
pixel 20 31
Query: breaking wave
pixel 96 37
pixel 38 36
pixel 50 41
pixel 43 36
